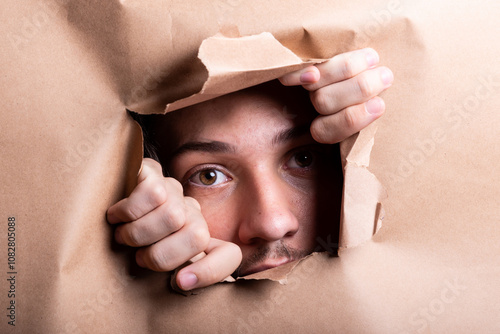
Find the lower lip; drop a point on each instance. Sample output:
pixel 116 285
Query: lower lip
pixel 268 265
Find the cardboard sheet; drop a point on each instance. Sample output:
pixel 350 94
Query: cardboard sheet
pixel 70 69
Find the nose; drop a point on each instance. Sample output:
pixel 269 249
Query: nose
pixel 267 211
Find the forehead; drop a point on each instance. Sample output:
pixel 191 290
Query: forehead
pixel 268 105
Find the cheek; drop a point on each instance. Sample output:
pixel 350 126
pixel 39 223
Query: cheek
pixel 305 209
pixel 220 217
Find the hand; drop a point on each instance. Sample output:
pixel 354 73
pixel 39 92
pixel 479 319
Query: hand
pixel 170 229
pixel 344 92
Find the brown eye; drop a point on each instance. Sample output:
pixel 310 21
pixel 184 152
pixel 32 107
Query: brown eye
pixel 303 159
pixel 208 177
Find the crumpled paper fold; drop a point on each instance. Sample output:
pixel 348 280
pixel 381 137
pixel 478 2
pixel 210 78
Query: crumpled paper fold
pixel 70 69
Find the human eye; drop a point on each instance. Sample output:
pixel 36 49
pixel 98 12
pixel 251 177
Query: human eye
pixel 307 161
pixel 208 177
pixel 301 159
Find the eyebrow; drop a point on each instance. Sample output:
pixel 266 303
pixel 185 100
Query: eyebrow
pixel 290 134
pixel 204 146
pixel 222 147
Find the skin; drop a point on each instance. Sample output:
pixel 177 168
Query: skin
pixel 251 184
pixel 262 181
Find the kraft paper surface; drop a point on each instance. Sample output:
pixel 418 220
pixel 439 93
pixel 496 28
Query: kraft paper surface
pixel 71 69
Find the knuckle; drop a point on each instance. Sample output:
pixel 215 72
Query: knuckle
pixel 157 194
pixel 131 213
pixel 175 218
pixel 350 117
pixel 364 87
pixel 157 260
pixel 321 101
pixel 347 67
pixel 174 184
pixel 319 130
pixel 133 235
pixel 200 238
pixel 191 202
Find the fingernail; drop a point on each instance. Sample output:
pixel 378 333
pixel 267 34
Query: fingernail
pixel 188 281
pixel 308 77
pixel 387 76
pixel 118 237
pixel 373 106
pixel 372 58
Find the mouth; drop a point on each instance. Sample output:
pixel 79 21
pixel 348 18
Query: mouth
pixel 265 265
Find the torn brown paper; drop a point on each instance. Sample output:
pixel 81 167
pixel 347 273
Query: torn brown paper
pixel 235 63
pixel 362 212
pixel 277 274
pixel 69 70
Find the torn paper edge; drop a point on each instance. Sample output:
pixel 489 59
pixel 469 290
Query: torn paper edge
pixel 277 274
pixel 362 213
pixel 275 60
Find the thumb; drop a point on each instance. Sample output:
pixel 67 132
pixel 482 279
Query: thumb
pixel 221 260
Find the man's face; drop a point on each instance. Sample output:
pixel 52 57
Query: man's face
pixel 262 182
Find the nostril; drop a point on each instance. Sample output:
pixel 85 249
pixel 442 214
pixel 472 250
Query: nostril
pixel 267 225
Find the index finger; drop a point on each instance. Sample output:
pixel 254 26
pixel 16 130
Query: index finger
pixel 149 167
pixel 151 191
pixel 341 67
pixel 221 260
